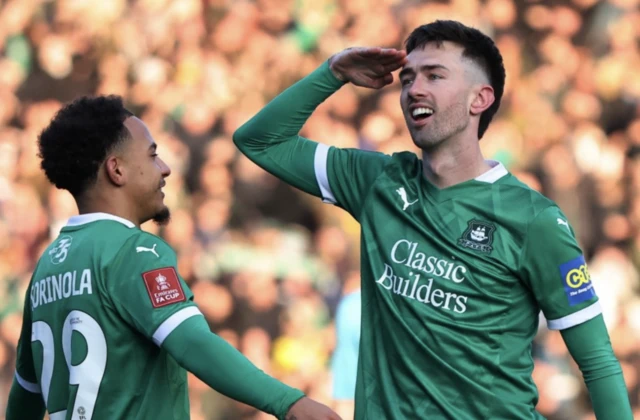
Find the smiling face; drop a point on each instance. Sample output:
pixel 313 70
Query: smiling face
pixel 147 173
pixel 439 87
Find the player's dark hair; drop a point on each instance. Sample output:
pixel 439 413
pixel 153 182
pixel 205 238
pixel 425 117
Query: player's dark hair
pixel 477 47
pixel 78 139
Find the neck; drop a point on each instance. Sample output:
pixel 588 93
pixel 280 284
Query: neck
pixel 95 203
pixel 452 162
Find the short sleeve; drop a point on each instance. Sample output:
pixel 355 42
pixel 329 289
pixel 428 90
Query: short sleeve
pixel 146 289
pixel 554 268
pixel 345 176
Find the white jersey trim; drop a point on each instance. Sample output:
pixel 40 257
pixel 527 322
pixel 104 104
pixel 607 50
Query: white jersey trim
pixel 29 386
pixel 173 322
pixel 575 318
pixel 496 172
pixel 320 167
pixel 94 217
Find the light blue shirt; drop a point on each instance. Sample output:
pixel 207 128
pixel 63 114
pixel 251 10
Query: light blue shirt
pixel 344 364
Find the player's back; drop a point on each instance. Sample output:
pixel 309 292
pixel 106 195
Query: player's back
pixel 90 362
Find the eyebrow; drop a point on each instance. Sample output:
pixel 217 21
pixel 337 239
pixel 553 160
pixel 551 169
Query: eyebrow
pixel 423 68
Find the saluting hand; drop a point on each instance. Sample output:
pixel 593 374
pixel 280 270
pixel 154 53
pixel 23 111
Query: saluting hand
pixel 367 67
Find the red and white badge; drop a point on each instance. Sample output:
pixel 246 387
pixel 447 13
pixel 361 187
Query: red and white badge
pixel 163 286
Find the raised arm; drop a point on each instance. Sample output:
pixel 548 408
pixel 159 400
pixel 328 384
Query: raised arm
pixel 271 140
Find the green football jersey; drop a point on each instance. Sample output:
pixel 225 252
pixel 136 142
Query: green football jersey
pixel 102 299
pixel 453 281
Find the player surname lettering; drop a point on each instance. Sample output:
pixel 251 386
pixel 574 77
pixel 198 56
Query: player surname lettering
pixel 60 286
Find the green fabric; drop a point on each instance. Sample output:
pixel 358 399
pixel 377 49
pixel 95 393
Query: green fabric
pixel 24 405
pixel 590 347
pixel 226 370
pixel 453 279
pixel 270 139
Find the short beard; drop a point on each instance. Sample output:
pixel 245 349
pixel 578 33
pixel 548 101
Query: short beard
pixel 162 217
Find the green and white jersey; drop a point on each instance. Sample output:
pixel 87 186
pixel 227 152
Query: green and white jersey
pixel 102 299
pixel 453 281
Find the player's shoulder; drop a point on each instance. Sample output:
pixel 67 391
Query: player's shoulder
pixel 142 241
pixel 516 197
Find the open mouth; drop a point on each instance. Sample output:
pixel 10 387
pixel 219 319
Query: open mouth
pixel 421 113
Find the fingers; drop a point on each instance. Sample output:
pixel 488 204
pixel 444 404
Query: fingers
pixel 393 66
pixel 369 52
pixel 382 54
pixel 378 82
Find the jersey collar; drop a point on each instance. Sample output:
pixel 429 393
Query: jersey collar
pixel 94 217
pixel 467 188
pixel 496 172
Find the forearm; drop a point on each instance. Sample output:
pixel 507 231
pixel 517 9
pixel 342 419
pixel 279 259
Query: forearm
pixel 270 138
pixel 590 347
pixel 24 405
pixel 226 370
pixel 285 115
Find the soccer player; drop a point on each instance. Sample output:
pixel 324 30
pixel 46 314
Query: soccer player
pixel 109 325
pixel 458 256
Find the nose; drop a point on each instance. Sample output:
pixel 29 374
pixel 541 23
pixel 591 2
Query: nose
pixel 164 168
pixel 418 88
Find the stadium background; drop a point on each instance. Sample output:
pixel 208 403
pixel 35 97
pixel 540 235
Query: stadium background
pixel 268 264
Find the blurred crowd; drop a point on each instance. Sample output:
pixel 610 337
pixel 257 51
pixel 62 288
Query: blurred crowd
pixel 267 263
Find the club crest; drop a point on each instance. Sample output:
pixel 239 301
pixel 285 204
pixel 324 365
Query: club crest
pixel 478 236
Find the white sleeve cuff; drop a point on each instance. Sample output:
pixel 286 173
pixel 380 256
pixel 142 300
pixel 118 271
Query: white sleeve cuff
pixel 29 386
pixel 575 318
pixel 173 322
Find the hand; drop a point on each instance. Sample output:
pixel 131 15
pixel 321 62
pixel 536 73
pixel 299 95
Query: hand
pixel 367 67
pixel 308 409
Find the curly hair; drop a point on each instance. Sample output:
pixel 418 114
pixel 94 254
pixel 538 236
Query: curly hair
pixel 476 46
pixel 78 139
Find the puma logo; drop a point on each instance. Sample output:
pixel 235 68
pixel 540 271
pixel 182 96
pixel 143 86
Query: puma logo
pixel 145 249
pixel 562 222
pixel 403 195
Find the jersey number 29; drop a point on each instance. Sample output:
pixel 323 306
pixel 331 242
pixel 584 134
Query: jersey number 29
pixel 87 374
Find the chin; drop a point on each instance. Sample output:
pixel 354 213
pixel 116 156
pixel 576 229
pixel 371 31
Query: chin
pixel 425 144
pixel 162 217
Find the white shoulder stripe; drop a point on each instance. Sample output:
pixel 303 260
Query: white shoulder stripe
pixel 172 322
pixel 29 386
pixel 320 167
pixel 575 318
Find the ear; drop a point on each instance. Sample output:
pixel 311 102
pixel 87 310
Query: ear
pixel 116 174
pixel 482 99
